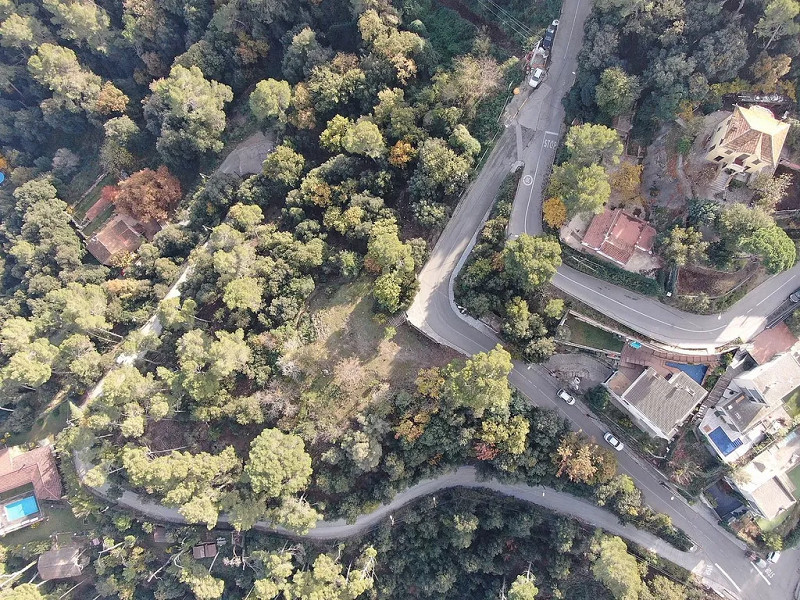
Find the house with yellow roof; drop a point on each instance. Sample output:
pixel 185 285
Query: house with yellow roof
pixel 748 142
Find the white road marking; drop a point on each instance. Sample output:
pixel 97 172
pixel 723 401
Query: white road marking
pixel 575 18
pixel 533 183
pixel 764 577
pixel 721 570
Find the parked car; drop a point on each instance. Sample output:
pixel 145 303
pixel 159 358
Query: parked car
pixel 773 557
pixel 550 35
pixel 795 296
pixel 612 441
pixel 536 78
pixel 566 397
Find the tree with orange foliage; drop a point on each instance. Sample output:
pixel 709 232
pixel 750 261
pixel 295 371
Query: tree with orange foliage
pixel 554 212
pixel 149 195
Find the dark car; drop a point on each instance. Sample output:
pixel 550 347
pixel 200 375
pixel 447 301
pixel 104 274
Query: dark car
pixel 795 296
pixel 550 35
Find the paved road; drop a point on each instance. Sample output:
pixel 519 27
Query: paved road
pixel 434 313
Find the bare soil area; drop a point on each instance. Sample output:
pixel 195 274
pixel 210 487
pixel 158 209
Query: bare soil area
pixel 694 280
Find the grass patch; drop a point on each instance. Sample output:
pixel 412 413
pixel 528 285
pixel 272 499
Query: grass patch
pixel 792 403
pixel 585 334
pixel 80 208
pixel 58 519
pixel 794 477
pixel 610 273
pixel 768 526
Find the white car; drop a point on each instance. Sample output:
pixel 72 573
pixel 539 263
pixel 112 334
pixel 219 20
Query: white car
pixel 566 397
pixel 613 442
pixel 773 556
pixel 536 78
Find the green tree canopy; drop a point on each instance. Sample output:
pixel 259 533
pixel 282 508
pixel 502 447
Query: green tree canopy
pixel 481 384
pixel 773 246
pixel 616 92
pixel 582 189
pixel 590 144
pixel 270 100
pixel 185 111
pixel 278 464
pixel 617 569
pixel 530 261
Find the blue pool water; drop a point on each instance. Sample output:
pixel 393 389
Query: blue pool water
pixel 19 509
pixel 696 372
pixel 723 442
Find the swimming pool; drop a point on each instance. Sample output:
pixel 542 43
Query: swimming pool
pixel 696 372
pixel 19 509
pixel 723 442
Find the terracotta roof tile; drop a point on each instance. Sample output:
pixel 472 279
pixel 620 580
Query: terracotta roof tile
pixel 617 234
pixel 116 236
pixel 36 467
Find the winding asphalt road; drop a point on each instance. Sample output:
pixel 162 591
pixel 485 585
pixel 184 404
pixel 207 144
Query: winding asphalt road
pixel 721 556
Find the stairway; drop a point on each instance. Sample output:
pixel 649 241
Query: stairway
pixel 720 183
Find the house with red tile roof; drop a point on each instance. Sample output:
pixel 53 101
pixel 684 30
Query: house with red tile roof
pixel 122 233
pixel 26 479
pixel 617 235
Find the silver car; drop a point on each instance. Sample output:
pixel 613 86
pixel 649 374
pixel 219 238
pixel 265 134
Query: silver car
pixel 566 397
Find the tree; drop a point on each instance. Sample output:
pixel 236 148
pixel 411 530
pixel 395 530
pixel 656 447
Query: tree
pixel 30 367
pixel 539 350
pixel 25 591
pixel 243 293
pixel 278 464
pixel 523 587
pixel 617 569
pixel 481 384
pixel 582 189
pixel 617 92
pixel 554 213
pixel 664 589
pixel 590 144
pixel 148 195
pixel 770 190
pixel 516 325
pixel 192 482
pixel 778 21
pixel 626 181
pixel 530 261
pixel 202 584
pixel 775 248
pixel 554 308
pixel 22 32
pixel 284 165
pixel 684 246
pixel 387 292
pixel 364 138
pixel 768 70
pixel 57 68
pixel 185 111
pixel 79 307
pixel 270 100
pixel 83 22
pixel 440 173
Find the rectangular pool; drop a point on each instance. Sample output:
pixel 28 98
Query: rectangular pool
pixel 19 509
pixel 696 372
pixel 723 442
